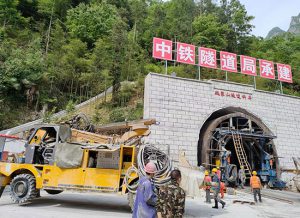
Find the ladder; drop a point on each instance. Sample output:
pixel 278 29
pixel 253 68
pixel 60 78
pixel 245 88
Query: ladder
pixel 241 154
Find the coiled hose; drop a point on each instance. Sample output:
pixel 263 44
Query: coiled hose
pixel 146 154
pixel 128 176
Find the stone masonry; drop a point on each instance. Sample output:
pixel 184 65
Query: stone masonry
pixel 181 106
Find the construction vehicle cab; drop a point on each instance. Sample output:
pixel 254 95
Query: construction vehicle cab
pixel 57 158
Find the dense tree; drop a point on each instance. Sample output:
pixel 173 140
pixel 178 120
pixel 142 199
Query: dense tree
pixel 56 8
pixel 138 13
pixel 9 15
pixel 179 18
pixel 206 7
pixel 118 43
pixel 209 32
pixel 54 53
pixel 153 24
pixel 234 14
pixel 20 70
pixel 89 22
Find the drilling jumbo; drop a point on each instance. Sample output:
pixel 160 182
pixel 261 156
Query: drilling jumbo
pixel 58 158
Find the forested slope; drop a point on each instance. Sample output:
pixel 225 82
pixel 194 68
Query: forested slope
pixel 55 53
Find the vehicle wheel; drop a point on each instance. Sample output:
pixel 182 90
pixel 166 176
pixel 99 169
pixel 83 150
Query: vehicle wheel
pixel 53 192
pixel 22 188
pixel 131 200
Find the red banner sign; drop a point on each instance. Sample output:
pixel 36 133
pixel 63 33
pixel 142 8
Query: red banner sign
pixel 266 69
pixel 207 57
pixel 185 53
pixel 228 61
pixel 284 73
pixel 248 65
pixel 162 49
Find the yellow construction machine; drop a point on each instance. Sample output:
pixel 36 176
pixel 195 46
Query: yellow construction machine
pixel 57 158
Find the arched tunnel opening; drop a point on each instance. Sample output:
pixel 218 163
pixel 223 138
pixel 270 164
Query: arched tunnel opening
pixel 233 137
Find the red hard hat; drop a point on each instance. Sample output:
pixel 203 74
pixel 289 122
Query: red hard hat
pixel 150 167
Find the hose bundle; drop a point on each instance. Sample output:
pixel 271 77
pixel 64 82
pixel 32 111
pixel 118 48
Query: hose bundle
pixel 162 162
pixel 146 154
pixel 128 176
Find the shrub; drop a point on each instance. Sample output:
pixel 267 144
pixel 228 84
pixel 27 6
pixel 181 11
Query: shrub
pixel 70 106
pixel 117 115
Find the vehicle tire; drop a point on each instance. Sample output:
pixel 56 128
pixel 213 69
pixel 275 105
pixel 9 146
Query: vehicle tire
pixel 53 192
pixel 131 200
pixel 22 188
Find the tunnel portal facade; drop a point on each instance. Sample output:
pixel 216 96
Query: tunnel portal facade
pixel 205 118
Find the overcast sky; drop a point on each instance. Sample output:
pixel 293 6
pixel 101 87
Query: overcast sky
pixel 271 13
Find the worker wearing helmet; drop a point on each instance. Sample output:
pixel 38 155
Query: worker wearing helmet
pixel 145 201
pixel 216 184
pixel 207 186
pixel 242 176
pixel 255 186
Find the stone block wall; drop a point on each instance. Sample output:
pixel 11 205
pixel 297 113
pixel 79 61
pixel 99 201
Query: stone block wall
pixel 181 106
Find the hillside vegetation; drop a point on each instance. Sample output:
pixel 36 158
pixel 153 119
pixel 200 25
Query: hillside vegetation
pixel 56 53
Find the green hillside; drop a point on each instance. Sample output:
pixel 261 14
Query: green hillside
pixel 57 53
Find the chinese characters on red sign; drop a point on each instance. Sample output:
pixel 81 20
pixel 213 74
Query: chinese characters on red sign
pixel 248 65
pixel 162 49
pixel 207 57
pixel 284 73
pixel 225 93
pixel 185 53
pixel 228 61
pixel 266 69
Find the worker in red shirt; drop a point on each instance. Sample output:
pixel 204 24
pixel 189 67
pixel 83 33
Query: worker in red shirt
pixel 222 189
pixel 219 172
pixel 207 186
pixel 271 163
pixel 222 184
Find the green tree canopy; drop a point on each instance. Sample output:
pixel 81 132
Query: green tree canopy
pixel 209 32
pixel 69 50
pixel 89 22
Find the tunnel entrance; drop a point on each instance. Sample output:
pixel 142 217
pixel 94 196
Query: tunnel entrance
pixel 233 137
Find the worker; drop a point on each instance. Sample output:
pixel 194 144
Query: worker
pixel 228 159
pixel 255 186
pixel 145 202
pixel 171 198
pixel 242 176
pixel 271 163
pixel 222 189
pixel 207 186
pixel 216 188
pixel 219 172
